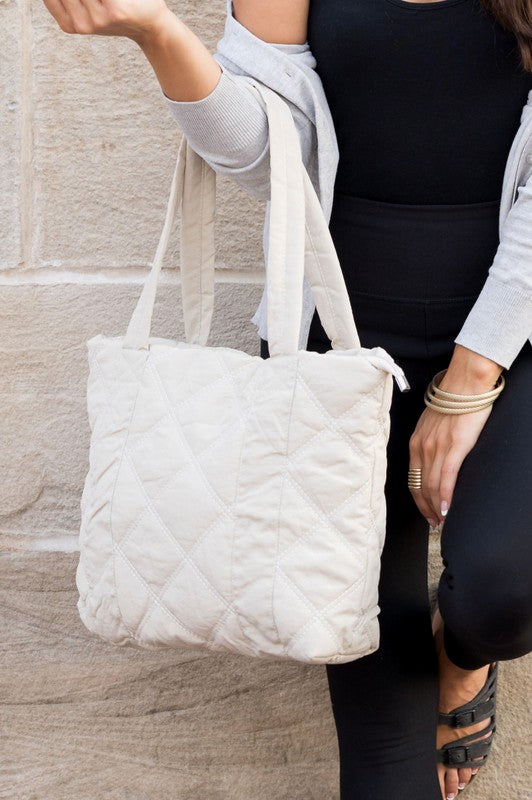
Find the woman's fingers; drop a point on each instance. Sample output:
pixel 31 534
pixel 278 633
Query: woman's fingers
pixel 108 17
pixel 60 14
pixel 449 473
pixel 81 15
pixel 416 462
pixel 439 445
pixel 432 483
pixel 74 16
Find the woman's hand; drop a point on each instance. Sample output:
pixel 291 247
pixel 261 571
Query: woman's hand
pixel 440 442
pixel 132 18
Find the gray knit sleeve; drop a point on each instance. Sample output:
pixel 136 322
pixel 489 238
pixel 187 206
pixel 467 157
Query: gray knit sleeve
pixel 500 321
pixel 229 129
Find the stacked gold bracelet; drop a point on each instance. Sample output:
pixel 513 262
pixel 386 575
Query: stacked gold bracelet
pixel 449 403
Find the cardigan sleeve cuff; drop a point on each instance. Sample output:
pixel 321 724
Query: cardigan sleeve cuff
pixel 228 127
pixel 498 308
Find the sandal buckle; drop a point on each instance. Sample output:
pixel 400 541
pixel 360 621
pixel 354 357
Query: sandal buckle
pixel 463 719
pixel 456 755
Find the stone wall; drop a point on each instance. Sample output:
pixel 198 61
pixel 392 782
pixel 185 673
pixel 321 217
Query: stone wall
pixel 87 149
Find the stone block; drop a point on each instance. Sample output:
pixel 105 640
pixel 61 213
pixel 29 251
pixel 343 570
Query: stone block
pixel 104 152
pixel 15 134
pixel 44 431
pixel 84 719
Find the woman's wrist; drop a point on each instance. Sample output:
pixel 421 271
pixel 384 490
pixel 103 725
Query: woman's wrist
pixel 469 372
pixel 159 31
pixel 185 68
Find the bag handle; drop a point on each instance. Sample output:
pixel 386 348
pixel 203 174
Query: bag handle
pixel 299 243
pixel 193 190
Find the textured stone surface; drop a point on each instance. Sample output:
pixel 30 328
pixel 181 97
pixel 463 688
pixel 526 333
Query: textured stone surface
pixel 13 114
pixel 83 719
pixel 87 150
pixel 104 151
pixel 43 425
pixel 80 718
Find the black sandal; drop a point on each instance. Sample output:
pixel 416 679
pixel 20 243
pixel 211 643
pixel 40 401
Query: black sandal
pixel 470 751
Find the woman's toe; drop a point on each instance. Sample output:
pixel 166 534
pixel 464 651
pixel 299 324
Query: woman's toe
pixel 451 784
pixel 464 776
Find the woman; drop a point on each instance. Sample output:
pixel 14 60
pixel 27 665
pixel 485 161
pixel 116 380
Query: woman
pixel 425 98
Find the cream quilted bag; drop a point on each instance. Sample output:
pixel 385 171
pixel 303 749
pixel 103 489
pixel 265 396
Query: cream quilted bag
pixel 236 503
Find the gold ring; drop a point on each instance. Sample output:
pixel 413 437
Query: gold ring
pixel 414 478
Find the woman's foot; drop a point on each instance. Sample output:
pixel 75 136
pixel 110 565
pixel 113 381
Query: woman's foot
pixel 457 686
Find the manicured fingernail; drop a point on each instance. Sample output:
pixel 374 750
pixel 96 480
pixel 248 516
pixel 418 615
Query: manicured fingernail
pixel 432 522
pixel 444 507
pixel 450 797
pixel 462 786
pixel 474 771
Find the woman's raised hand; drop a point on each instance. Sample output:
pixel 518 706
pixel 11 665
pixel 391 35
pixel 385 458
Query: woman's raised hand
pixel 132 18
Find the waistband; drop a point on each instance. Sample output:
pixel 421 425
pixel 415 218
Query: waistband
pixel 424 252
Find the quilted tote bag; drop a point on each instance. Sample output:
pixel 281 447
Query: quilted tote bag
pixel 235 503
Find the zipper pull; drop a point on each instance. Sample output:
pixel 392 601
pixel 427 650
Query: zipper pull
pixel 400 379
pixel 387 363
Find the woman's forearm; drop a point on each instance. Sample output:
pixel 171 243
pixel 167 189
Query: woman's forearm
pixel 184 67
pixel 223 122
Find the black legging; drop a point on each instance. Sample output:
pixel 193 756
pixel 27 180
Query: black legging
pixel 385 705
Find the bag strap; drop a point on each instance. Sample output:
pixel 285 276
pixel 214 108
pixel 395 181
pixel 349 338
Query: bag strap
pixel 193 190
pixel 299 243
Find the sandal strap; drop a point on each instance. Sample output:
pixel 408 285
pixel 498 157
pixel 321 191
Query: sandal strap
pixel 480 707
pixel 467 716
pixel 468 751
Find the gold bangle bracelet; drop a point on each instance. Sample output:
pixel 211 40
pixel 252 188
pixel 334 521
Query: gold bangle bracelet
pixel 466 398
pixel 455 403
pixel 494 392
pixel 456 410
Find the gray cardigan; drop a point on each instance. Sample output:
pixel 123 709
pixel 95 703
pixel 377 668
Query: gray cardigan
pixel 229 129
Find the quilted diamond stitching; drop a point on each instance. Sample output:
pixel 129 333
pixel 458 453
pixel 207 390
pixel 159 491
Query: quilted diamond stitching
pixel 323 515
pixel 176 573
pixel 174 576
pixel 317 614
pixel 323 431
pixel 218 501
pixel 187 557
pixel 285 474
pixel 332 420
pixel 116 378
pixel 330 423
pixel 175 475
pixel 117 548
pixel 175 542
pixel 331 527
pixel 192 456
pixel 153 594
pixel 329 420
pixel 189 560
pixel 209 640
pixel 189 399
pixel 122 454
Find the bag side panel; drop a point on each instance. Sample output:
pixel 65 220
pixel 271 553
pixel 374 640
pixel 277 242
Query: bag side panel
pixel 111 391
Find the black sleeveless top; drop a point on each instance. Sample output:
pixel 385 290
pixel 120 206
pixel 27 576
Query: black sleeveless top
pixel 425 97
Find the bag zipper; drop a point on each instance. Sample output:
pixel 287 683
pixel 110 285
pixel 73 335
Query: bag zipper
pixel 387 363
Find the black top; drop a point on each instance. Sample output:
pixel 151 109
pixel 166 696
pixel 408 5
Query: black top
pixel 426 98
